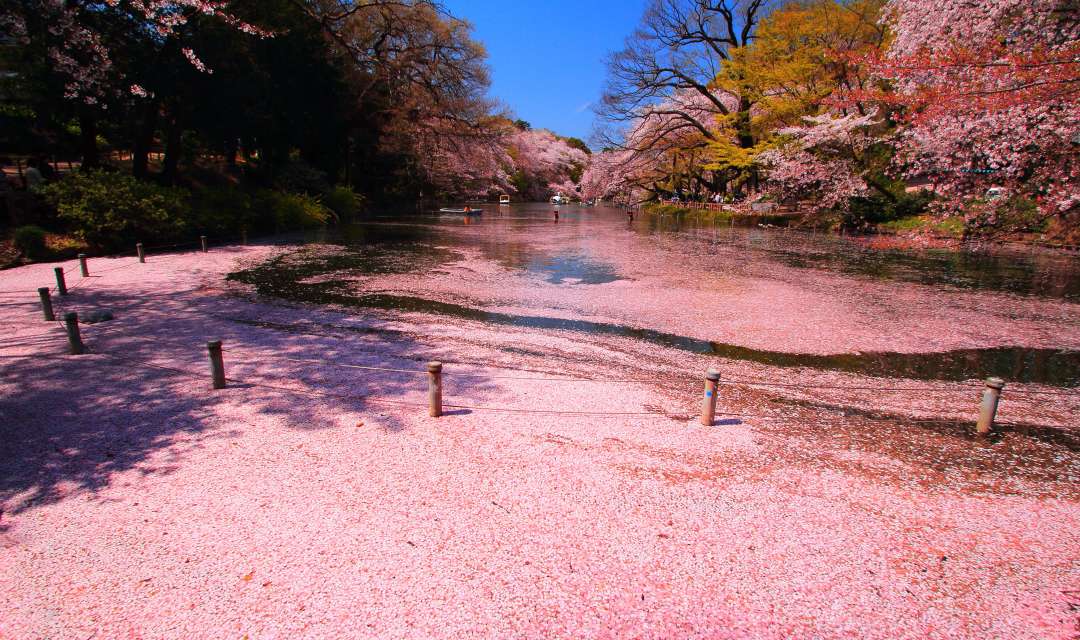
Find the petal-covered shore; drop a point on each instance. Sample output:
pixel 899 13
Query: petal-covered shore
pixel 313 500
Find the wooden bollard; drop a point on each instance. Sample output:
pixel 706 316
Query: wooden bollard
pixel 61 285
pixel 83 267
pixel 435 389
pixel 75 343
pixel 988 408
pixel 140 252
pixel 217 364
pixel 243 237
pixel 204 245
pixel 556 216
pixel 46 304
pixel 708 404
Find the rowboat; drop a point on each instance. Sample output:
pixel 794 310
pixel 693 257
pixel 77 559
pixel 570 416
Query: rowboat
pixel 467 211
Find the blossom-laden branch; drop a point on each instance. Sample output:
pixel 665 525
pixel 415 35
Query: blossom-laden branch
pixel 72 33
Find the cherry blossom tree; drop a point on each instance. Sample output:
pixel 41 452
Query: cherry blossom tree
pixel 545 164
pixel 823 160
pixel 75 35
pixel 987 95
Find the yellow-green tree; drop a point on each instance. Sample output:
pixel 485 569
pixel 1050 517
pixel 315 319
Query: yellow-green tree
pixel 800 55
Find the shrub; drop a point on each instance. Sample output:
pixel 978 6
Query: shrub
pixel 343 201
pixel 30 241
pixel 1017 214
pixel 114 210
pixel 291 210
pixel 222 210
pixel 877 209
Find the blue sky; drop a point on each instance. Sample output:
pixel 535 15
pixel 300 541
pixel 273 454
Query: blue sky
pixel 547 57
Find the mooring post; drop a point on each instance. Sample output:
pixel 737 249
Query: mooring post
pixel 139 251
pixel 61 285
pixel 435 389
pixel 75 343
pixel 708 404
pixel 83 266
pixel 988 408
pixel 217 364
pixel 243 236
pixel 203 240
pixel 46 304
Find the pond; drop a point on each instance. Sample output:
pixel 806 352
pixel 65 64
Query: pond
pixel 698 287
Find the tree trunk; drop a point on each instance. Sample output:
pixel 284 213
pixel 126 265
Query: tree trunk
pixel 88 139
pixel 746 136
pixel 144 139
pixel 171 166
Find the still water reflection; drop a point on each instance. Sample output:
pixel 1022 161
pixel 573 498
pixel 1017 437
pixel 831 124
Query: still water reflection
pixel 520 238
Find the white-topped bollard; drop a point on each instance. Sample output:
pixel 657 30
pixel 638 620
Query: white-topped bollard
pixel 708 403
pixel 988 409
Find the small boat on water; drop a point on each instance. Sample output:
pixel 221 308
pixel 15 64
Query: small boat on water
pixel 504 199
pixel 467 211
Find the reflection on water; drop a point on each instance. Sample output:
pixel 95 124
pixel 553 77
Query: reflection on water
pixel 1037 272
pixel 424 244
pixel 1033 273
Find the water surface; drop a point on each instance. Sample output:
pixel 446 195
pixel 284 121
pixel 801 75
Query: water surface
pixel 527 239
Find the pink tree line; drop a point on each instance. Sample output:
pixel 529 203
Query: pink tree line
pixel 978 96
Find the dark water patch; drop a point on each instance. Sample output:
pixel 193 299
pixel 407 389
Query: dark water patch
pixel 1037 273
pixel 1033 272
pixel 1016 364
pixel 306 328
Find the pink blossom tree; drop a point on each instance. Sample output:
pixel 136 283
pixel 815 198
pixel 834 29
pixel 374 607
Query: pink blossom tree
pixel 545 164
pixel 75 35
pixel 987 95
pixel 824 160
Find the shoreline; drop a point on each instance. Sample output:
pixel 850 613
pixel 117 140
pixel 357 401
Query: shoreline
pixel 313 500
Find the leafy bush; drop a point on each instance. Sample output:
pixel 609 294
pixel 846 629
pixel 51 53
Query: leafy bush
pixel 114 210
pixel 343 201
pixel 1017 214
pixel 222 210
pixel 878 209
pixel 291 210
pixel 30 241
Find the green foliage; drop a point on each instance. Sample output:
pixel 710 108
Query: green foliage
pixel 520 181
pixel 879 208
pixel 113 210
pixel 291 210
pixel 989 216
pixel 952 227
pixel 30 241
pixel 578 143
pixel 343 201
pixel 576 171
pixel 222 210
pixel 523 125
